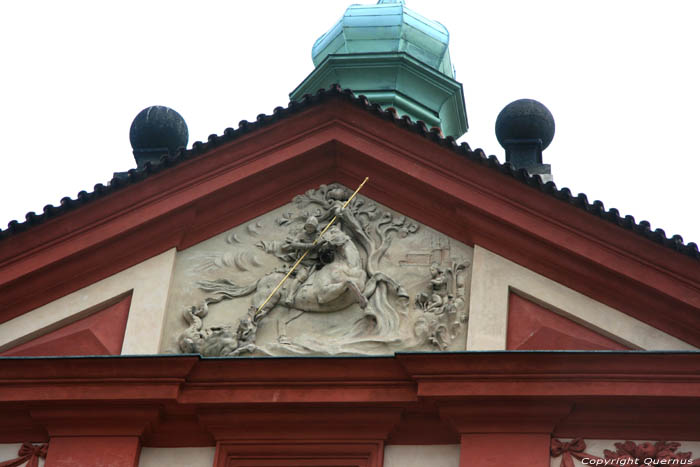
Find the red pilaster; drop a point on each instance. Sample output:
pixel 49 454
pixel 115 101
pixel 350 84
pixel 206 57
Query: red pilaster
pixel 79 451
pixel 499 449
pixel 508 432
pixel 85 436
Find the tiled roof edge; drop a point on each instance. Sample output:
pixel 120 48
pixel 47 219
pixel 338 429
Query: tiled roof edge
pixel 596 208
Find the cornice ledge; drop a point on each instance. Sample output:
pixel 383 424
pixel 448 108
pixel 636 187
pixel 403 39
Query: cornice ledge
pixel 551 374
pixel 91 420
pixel 312 423
pixel 505 416
pixel 93 378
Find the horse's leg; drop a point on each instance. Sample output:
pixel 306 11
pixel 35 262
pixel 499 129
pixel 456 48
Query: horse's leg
pixel 292 286
pixel 259 298
pixel 333 291
pixel 361 299
pixel 282 329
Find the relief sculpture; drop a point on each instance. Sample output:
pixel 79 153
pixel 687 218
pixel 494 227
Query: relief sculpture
pixel 443 306
pixel 375 282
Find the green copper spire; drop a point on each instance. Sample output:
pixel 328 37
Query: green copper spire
pixel 395 57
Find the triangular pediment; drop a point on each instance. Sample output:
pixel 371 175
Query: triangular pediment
pixel 250 172
pixel 375 283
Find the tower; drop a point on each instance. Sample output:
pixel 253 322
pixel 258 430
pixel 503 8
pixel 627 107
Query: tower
pixel 396 58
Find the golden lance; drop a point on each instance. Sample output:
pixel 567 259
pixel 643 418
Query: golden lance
pixel 301 258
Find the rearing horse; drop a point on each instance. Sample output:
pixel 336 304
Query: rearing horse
pixel 334 287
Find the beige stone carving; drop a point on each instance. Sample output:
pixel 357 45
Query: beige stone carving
pixel 351 295
pixel 443 306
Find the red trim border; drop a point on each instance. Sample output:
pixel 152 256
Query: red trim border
pixel 187 401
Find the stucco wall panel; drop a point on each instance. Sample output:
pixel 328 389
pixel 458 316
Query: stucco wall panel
pixel 495 277
pixel 148 282
pixel 177 457
pixel 422 456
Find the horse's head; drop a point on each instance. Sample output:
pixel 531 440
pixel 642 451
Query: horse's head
pixel 338 194
pixel 336 236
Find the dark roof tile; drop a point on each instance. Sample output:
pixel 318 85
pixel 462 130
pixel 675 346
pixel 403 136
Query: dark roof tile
pixel 135 175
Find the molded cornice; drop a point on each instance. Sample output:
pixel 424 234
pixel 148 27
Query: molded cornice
pixel 180 400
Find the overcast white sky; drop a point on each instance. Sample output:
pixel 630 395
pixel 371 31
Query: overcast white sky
pixel 622 79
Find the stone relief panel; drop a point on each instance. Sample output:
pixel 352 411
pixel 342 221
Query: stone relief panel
pixel 376 282
pixel 579 452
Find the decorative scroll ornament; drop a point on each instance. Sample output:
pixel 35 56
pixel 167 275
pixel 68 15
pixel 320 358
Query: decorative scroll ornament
pixel 626 453
pixel 28 453
pixel 347 269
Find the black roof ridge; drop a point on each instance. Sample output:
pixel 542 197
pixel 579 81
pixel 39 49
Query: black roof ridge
pixel 643 228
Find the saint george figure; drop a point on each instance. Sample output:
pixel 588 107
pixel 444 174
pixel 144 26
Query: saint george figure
pixel 297 246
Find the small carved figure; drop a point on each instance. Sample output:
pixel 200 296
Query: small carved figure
pixel 438 281
pixel 435 304
pixel 442 306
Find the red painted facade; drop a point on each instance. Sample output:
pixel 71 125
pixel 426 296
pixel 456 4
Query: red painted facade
pixel 100 333
pixel 502 408
pixel 320 406
pixel 533 327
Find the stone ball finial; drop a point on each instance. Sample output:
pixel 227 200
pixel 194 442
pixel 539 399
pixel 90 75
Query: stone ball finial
pixel 158 129
pixel 525 119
